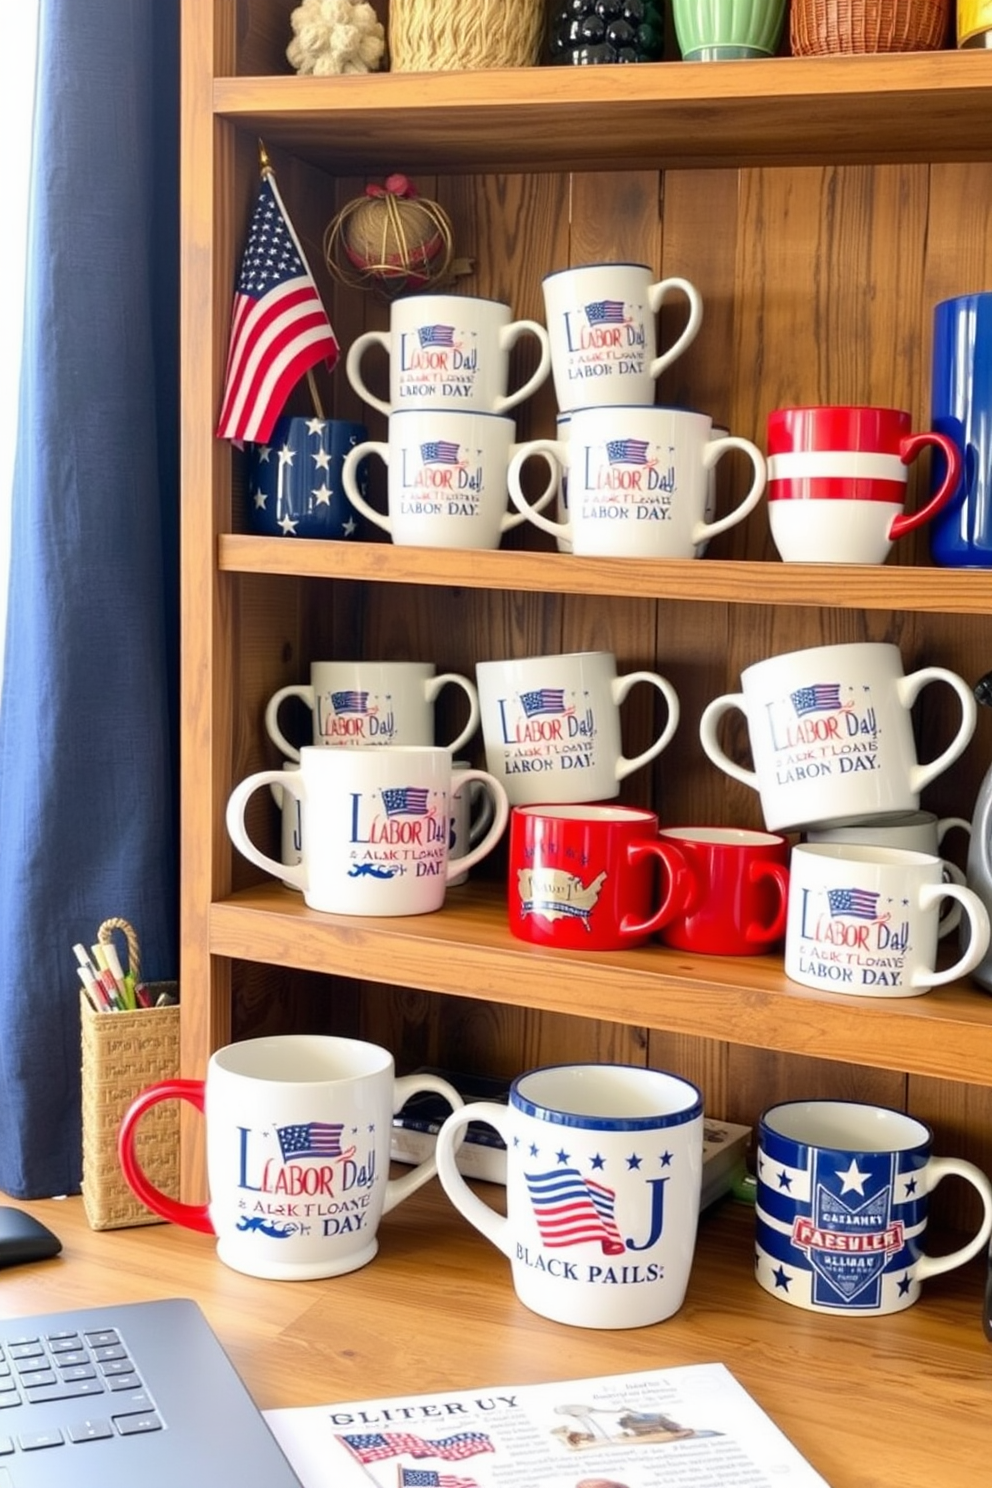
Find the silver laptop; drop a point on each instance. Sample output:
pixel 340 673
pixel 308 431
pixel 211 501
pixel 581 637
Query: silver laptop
pixel 136 1396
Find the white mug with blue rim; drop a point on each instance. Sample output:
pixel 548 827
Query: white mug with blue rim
pixel 842 1207
pixel 603 1173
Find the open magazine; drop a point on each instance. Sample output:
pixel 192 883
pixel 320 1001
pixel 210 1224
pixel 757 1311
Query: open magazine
pixel 689 1427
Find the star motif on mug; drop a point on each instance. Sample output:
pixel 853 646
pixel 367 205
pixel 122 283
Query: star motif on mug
pixel 288 526
pixel 853 1179
pixel 634 1161
pixel 315 426
pixel 264 451
pixel 322 459
pixel 561 1155
pixel 533 1149
pixel 784 1180
pixel 598 1161
pixel 665 1159
pixel 910 1186
pixel 904 1285
pixel 286 455
pixel 260 498
pixel 782 1279
pixel 322 495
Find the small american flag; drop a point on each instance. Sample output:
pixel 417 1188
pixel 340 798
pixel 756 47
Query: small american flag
pixel 376 1446
pixel 405 800
pixel 439 452
pixel 426 1477
pixel 627 451
pixel 822 697
pixel 310 1139
pixel 436 335
pixel 350 702
pixel 279 327
pixel 543 700
pixel 857 904
pixel 571 1210
pixel 605 312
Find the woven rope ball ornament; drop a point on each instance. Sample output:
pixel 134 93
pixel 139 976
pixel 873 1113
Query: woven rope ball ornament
pixel 389 239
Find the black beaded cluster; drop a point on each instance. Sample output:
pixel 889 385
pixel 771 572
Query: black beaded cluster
pixel 588 31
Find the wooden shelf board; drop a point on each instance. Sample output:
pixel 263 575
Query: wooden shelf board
pixel 881 587
pixel 780 111
pixel 467 949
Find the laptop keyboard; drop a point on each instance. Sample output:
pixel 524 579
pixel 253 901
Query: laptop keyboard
pixel 89 1373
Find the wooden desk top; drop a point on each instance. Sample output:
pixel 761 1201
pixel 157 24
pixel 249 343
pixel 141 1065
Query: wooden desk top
pixel 904 1399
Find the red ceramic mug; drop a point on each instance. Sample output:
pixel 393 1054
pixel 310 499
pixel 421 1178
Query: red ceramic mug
pixel 590 877
pixel 738 898
pixel 837 478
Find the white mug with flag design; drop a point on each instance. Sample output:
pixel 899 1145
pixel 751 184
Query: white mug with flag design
pixel 603 1174
pixel 298 1130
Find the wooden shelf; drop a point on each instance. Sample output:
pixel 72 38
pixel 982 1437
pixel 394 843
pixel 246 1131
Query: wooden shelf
pixel 784 111
pixel 467 949
pixel 834 586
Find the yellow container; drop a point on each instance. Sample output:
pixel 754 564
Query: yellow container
pixel 975 23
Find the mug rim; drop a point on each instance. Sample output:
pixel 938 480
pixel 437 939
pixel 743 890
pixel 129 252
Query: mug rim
pixel 493 661
pixel 810 651
pixel 441 295
pixel 377 751
pixel 606 263
pixel 586 811
pixel 559 1116
pixel 375 1059
pixel 836 407
pixel 870 1110
pixel 869 852
pixel 726 836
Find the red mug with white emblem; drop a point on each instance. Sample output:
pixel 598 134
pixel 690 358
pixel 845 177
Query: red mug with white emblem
pixel 837 481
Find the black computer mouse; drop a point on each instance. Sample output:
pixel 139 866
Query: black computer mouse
pixel 24 1238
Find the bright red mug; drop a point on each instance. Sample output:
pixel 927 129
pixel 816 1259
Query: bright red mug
pixel 738 895
pixel 590 877
pixel 837 481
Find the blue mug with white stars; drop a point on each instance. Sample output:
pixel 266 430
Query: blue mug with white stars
pixel 294 481
pixel 843 1193
pixel 603 1173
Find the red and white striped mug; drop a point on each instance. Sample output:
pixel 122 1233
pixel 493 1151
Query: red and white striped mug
pixel 837 478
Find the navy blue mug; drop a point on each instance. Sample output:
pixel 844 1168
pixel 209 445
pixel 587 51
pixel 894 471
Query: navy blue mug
pixel 294 481
pixel 961 407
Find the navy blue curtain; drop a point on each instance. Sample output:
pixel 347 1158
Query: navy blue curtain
pixel 87 714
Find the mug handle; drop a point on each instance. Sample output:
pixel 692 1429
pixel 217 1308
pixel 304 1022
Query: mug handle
pixel 192 1216
pixel 349 479
pixel 398 1189
pixel 300 690
pixel 513 519
pixel 495 1227
pixel 679 887
pixel 293 874
pixel 756 933
pixel 501 812
pixel 978 940
pixel 620 687
pixel 907 690
pixel 708 725
pixel 909 448
pixel 952 919
pixel 664 290
pixel 949 1167
pixel 554 452
pixel 508 337
pixel 712 452
pixel 352 369
pixel 434 686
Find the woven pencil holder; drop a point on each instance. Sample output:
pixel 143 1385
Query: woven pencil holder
pixel 121 1054
pixel 445 36
pixel 821 27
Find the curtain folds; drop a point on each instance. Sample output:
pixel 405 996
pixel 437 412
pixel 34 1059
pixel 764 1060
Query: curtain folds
pixel 87 714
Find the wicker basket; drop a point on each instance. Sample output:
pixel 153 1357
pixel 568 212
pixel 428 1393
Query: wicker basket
pixel 121 1054
pixel 444 36
pixel 820 27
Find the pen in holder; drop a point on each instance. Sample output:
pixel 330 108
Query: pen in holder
pixel 122 1052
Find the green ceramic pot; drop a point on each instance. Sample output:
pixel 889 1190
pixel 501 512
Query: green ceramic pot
pixel 720 30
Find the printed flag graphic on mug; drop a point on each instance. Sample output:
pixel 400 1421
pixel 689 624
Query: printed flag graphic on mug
pixel 279 327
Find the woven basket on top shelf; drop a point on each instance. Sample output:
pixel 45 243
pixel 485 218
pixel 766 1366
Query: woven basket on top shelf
pixel 819 27
pixel 445 36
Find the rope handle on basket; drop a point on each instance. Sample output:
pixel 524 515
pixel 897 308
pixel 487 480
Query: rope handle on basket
pixel 105 934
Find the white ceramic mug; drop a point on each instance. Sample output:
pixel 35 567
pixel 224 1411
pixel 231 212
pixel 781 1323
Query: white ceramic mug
pixel 603 1174
pixel 919 831
pixel 471 817
pixel 359 703
pixel 449 351
pixel 843 1200
pixel 551 725
pixel 865 920
pixel 831 734
pixel 638 481
pixel 446 485
pixel 376 827
pixel 602 329
pixel 298 1130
